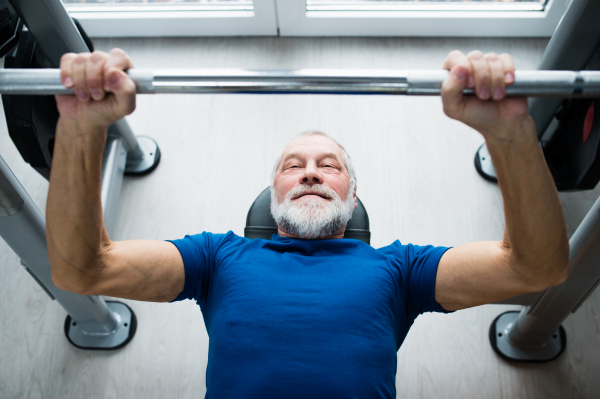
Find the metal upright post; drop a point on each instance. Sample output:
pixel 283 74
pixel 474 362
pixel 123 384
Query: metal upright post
pixel 572 45
pixel 535 334
pixel 92 323
pixel 113 166
pixel 56 34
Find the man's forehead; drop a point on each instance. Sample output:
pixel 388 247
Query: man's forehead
pixel 301 155
pixel 312 145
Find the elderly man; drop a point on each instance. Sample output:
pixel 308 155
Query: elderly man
pixel 305 314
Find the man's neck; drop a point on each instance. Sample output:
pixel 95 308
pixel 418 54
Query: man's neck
pixel 338 234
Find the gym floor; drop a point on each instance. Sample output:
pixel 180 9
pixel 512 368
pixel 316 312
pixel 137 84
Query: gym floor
pixel 415 176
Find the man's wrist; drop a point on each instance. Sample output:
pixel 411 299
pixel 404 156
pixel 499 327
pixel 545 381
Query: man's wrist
pixel 80 127
pixel 513 131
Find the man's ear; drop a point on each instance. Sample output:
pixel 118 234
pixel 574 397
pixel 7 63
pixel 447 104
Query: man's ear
pixel 355 198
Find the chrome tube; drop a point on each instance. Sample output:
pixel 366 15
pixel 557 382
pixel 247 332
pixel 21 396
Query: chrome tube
pixel 538 321
pixel 561 84
pixel 22 226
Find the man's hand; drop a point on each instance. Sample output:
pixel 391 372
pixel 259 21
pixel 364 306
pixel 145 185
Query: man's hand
pixel 488 112
pixel 103 91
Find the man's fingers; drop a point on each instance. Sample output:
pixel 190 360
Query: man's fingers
pixel 481 73
pixel 496 67
pixel 452 90
pixel 118 59
pixel 123 89
pixel 78 75
pixel 66 62
pixel 94 74
pixel 509 68
pixel 455 57
pixel 117 81
pixel 459 78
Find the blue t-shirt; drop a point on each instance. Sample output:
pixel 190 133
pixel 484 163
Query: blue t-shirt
pixel 292 318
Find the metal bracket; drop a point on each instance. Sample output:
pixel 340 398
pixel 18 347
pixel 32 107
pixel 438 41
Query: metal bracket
pixel 148 162
pixel 11 202
pixel 32 274
pixel 484 165
pixel 115 339
pixel 550 350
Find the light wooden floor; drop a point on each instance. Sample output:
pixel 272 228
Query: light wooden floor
pixel 415 176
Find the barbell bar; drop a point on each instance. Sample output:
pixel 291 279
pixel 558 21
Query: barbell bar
pixel 562 84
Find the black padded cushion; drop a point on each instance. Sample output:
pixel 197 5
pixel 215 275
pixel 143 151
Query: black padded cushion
pixel 260 222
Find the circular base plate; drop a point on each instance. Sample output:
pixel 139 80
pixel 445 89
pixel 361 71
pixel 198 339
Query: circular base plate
pixel 116 339
pixel 552 348
pixel 150 160
pixel 484 165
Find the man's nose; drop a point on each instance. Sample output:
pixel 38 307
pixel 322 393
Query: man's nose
pixel 311 175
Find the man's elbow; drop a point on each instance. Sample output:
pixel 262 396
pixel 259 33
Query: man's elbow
pixel 539 274
pixel 75 285
pixel 69 277
pixel 562 274
pixel 557 269
pixel 78 274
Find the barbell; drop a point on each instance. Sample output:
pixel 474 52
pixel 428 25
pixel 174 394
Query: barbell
pixel 563 84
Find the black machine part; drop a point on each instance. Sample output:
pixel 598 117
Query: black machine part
pixel 31 120
pixel 10 27
pixel 573 151
pixel 571 47
pixel 571 143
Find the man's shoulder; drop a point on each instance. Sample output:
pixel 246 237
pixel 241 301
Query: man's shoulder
pixel 393 248
pixel 409 252
pixel 209 241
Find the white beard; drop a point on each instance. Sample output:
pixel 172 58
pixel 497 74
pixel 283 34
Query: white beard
pixel 312 218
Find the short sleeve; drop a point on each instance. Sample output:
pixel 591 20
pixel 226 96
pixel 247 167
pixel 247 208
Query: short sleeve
pixel 199 253
pixel 418 267
pixel 422 264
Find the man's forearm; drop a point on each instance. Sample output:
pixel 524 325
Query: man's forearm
pixel 74 228
pixel 535 233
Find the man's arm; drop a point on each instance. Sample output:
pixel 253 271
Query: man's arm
pixel 534 252
pixel 82 256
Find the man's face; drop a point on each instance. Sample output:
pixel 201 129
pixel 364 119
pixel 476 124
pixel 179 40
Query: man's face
pixel 312 186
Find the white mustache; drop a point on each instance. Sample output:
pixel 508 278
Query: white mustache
pixel 317 188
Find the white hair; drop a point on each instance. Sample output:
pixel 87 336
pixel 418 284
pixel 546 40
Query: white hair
pixel 314 219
